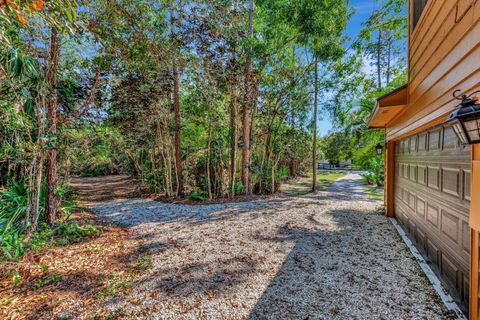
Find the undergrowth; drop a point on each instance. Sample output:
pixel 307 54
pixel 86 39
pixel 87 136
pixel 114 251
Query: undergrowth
pixel 15 231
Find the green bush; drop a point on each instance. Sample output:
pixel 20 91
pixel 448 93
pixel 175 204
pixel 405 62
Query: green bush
pixel 375 174
pixel 70 232
pixel 94 151
pixel 13 206
pixel 238 188
pixel 197 195
pixel 11 245
pixel 14 223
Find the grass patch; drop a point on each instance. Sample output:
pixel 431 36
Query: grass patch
pixel 113 286
pixel 373 192
pixel 303 185
pixel 325 179
pixel 65 233
pixel 142 263
pixel 51 279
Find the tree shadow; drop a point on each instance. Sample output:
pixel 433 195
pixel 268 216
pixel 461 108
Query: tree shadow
pixel 79 287
pixel 355 269
pixel 142 213
pixel 200 278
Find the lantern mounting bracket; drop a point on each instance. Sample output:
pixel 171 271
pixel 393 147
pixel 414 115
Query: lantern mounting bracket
pixel 463 96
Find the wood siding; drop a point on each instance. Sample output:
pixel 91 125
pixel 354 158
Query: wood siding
pixel 444 55
pixel 432 201
pixel 475 236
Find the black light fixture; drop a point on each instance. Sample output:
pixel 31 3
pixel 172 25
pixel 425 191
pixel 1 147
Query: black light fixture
pixel 466 119
pixel 379 149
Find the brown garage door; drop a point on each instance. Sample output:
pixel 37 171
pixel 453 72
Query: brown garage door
pixel 432 198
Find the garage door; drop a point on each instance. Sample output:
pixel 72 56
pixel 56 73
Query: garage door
pixel 432 195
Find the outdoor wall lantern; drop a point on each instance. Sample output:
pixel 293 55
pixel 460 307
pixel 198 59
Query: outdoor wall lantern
pixel 466 119
pixel 379 149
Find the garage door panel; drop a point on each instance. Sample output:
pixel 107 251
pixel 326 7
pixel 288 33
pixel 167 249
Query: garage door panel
pixel 422 174
pixel 422 142
pixel 451 181
pixel 420 207
pixel 413 173
pixel 449 226
pixel 432 194
pixel 450 140
pixel 466 237
pixel 420 237
pixel 433 177
pixel 454 275
pixel 466 184
pixel 466 288
pixel 432 252
pixel 434 140
pixel 433 214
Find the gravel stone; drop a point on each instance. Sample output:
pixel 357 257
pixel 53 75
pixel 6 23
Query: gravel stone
pixel 329 255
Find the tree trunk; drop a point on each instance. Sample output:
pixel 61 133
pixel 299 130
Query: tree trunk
pixel 233 143
pixel 389 58
pixel 209 182
pixel 35 195
pixel 274 167
pixel 176 107
pixel 378 62
pixel 178 156
pixel 51 173
pixel 293 164
pixel 315 110
pixel 246 106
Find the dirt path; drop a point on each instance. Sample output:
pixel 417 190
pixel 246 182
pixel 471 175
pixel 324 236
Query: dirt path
pixel 93 190
pixel 351 184
pixel 322 256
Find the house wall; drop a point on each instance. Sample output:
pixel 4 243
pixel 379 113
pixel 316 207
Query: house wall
pixel 475 236
pixel 444 55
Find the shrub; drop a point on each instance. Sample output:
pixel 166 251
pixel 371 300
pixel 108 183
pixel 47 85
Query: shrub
pixel 65 232
pixel 13 206
pixel 238 188
pixel 197 195
pixel 13 222
pixel 70 232
pixel 11 245
pixel 375 174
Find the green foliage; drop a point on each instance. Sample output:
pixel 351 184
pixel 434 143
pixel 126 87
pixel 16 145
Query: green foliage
pixel 238 188
pixel 13 206
pixel 65 232
pixel 94 151
pixel 142 263
pixel 374 192
pixel 70 232
pixel 11 245
pixel 14 221
pixel 197 195
pixel 115 88
pixel 336 147
pixel 375 174
pixel 46 281
pixel 113 285
pixel 16 278
pixel 383 40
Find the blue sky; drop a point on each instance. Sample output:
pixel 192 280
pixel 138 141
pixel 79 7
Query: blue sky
pixel 363 9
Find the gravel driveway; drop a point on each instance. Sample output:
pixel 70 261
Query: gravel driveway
pixel 323 256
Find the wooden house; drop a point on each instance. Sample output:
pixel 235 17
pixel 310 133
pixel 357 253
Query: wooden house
pixel 432 179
